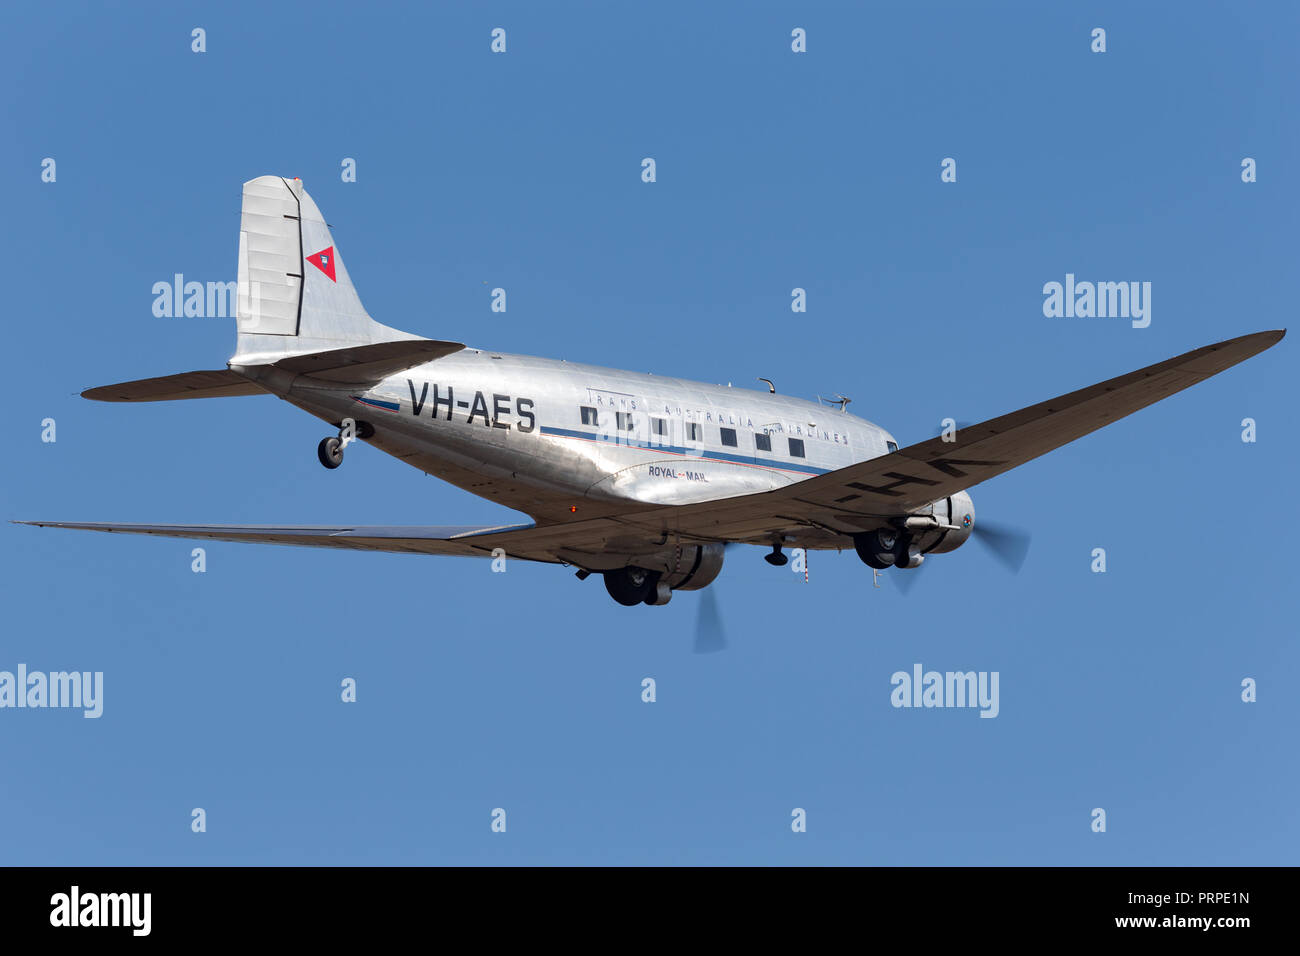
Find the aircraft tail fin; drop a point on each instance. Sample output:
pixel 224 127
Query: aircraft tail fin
pixel 295 296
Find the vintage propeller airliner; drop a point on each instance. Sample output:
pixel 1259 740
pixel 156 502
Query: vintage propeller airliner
pixel 641 479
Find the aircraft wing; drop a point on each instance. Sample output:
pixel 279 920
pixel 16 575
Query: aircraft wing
pixel 464 540
pixel 819 511
pixel 921 473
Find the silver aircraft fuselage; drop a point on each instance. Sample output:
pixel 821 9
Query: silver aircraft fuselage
pixel 546 436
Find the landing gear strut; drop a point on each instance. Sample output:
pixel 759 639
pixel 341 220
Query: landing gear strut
pixel 904 556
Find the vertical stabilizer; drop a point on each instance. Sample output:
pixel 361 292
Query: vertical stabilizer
pixel 295 295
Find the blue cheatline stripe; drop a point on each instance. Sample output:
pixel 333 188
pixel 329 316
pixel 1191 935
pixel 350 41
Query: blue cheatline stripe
pixel 391 406
pixel 680 450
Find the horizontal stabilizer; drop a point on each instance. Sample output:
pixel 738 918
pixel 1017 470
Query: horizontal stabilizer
pixel 366 364
pixel 218 383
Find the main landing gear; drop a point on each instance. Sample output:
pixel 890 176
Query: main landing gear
pixel 776 558
pixel 887 548
pixel 632 586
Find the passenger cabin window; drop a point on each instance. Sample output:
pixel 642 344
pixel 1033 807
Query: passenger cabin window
pixel 762 442
pixel 624 420
pixel 588 414
pixel 693 432
pixel 892 445
pixel 796 447
pixel 729 437
pixel 659 426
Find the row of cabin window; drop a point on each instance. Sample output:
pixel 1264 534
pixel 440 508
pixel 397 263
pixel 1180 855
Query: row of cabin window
pixel 694 432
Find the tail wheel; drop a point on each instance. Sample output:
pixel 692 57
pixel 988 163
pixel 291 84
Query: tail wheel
pixel 330 452
pixel 632 586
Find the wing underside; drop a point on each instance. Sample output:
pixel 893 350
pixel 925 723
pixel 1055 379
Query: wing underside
pixel 465 541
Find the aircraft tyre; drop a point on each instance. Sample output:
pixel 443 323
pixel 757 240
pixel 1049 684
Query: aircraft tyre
pixel 330 452
pixel 630 586
pixel 874 552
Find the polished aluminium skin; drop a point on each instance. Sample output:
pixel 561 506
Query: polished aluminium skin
pixel 641 478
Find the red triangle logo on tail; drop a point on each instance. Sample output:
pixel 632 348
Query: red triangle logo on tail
pixel 324 261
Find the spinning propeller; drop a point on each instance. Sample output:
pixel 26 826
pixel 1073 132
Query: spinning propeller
pixel 1009 545
pixel 710 636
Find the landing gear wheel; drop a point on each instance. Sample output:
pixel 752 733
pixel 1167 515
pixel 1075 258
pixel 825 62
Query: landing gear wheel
pixel 776 558
pixel 631 586
pixel 875 549
pixel 330 452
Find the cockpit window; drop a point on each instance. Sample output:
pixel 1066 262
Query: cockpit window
pixel 892 446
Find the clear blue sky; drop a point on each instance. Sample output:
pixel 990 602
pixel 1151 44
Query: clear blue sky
pixel 775 170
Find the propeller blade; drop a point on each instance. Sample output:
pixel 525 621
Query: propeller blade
pixel 709 635
pixel 1009 545
pixel 905 578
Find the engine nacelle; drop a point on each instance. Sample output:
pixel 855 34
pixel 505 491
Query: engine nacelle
pixel 692 567
pixel 940 526
pixel 687 567
pixel 958 512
